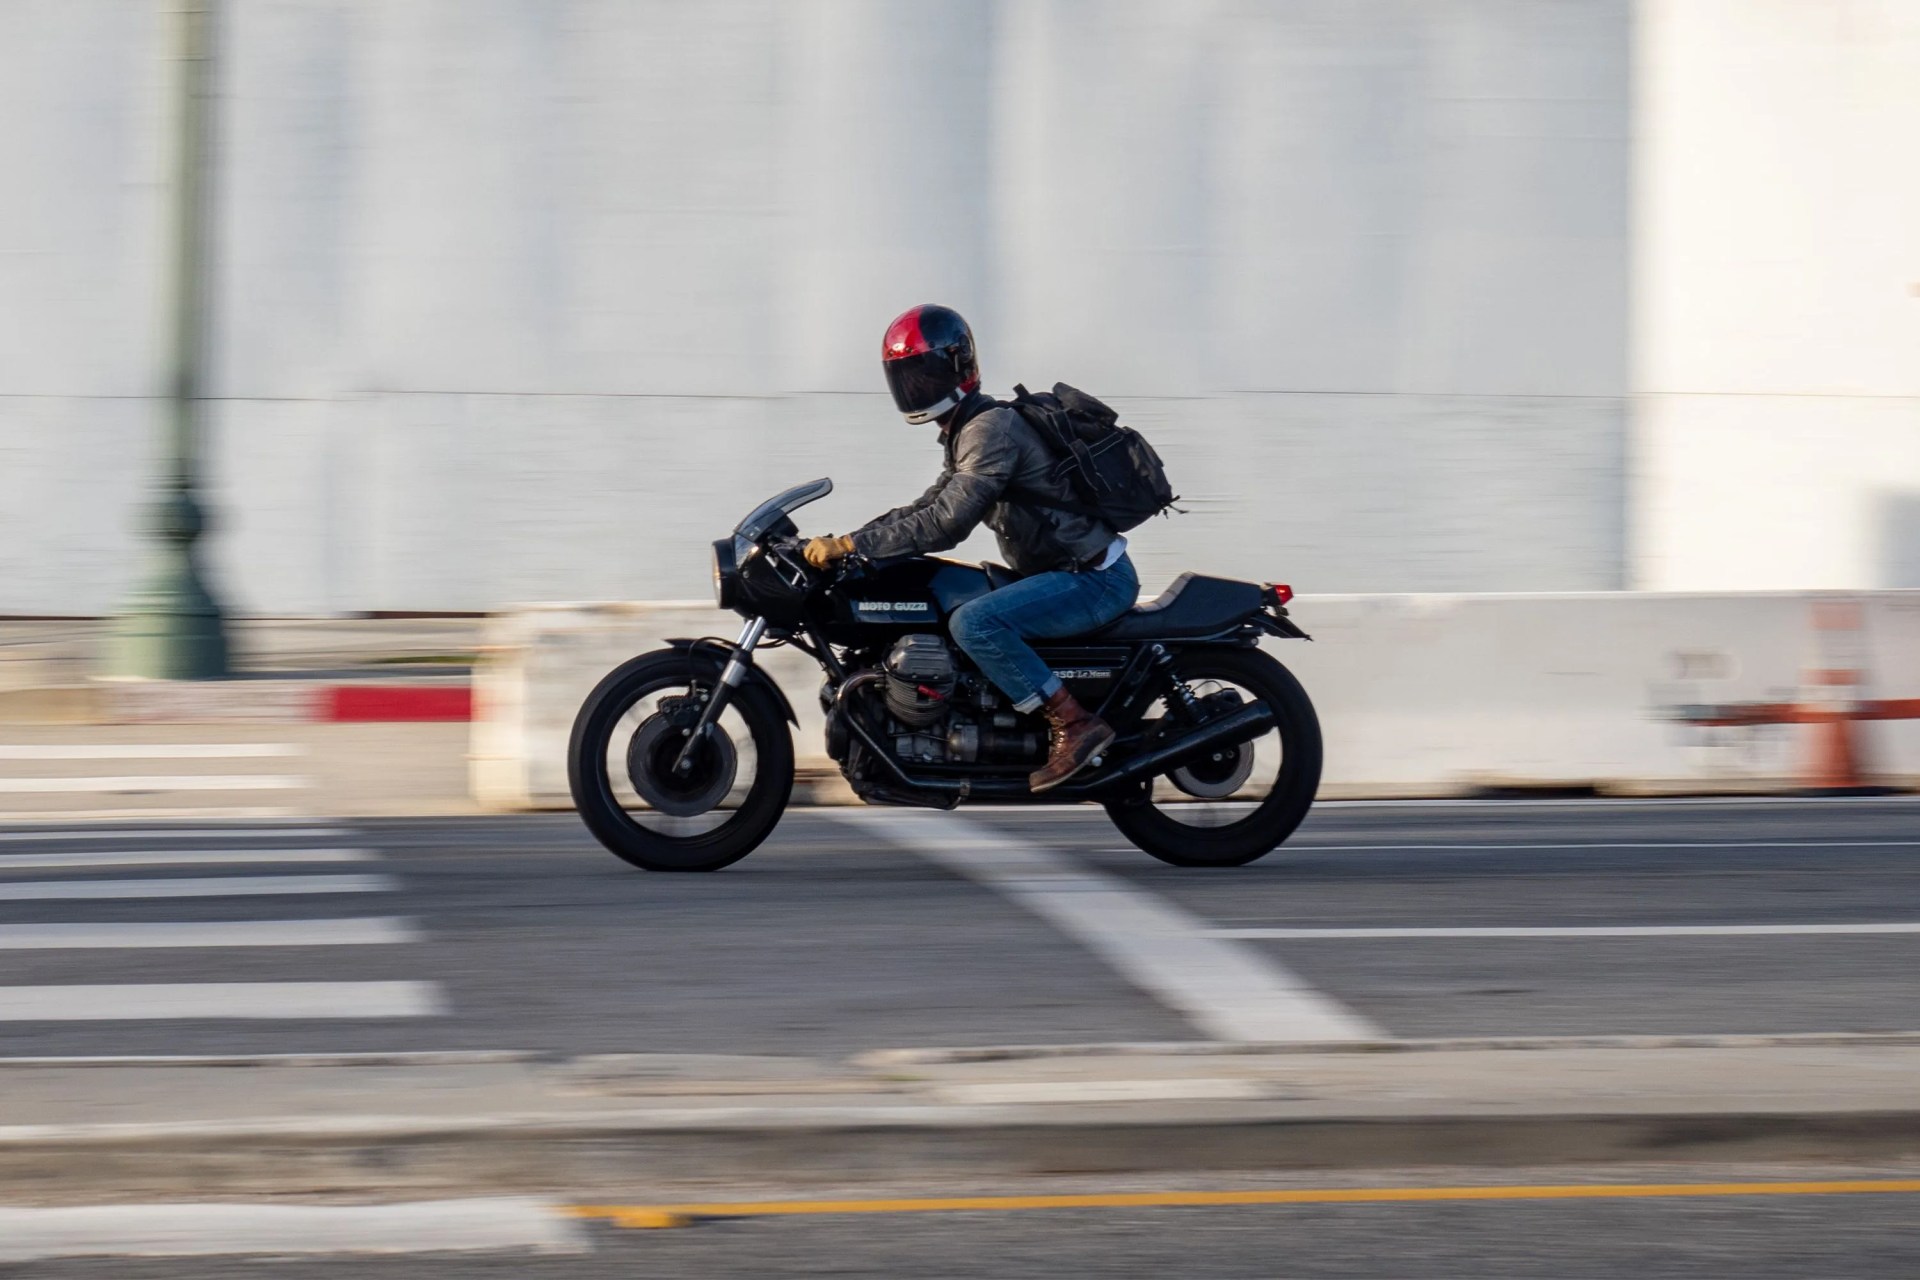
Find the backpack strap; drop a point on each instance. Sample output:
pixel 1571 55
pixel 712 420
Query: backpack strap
pixel 950 435
pixel 1028 498
pixel 1054 422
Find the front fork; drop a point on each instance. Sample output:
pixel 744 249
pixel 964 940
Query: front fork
pixel 730 677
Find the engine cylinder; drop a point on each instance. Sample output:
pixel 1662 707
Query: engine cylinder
pixel 920 679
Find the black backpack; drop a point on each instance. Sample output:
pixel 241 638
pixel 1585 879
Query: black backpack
pixel 1111 470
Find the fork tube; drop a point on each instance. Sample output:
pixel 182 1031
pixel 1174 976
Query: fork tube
pixel 730 677
pixel 743 653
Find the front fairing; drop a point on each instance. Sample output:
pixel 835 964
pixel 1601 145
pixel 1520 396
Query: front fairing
pixel 774 517
pixel 746 578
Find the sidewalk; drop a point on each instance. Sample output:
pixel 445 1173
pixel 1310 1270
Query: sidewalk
pixel 345 670
pixel 360 718
pixel 515 1122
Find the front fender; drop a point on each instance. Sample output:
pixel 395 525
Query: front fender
pixel 721 650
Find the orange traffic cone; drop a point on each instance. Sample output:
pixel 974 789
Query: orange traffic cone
pixel 1834 763
pixel 1835 759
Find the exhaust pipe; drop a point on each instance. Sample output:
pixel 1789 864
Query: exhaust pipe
pixel 1247 723
pixel 1229 731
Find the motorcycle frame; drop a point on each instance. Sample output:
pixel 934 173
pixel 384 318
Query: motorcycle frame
pixel 1134 690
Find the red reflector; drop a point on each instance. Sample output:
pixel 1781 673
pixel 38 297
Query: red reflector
pixel 1281 592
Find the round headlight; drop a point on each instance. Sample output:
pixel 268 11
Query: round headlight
pixel 725 574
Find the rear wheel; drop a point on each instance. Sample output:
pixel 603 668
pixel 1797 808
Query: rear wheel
pixel 1233 805
pixel 626 743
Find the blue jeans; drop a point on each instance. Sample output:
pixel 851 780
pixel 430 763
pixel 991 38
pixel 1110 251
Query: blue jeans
pixel 994 628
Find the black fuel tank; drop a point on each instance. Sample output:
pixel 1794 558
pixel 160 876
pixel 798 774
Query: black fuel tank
pixel 900 596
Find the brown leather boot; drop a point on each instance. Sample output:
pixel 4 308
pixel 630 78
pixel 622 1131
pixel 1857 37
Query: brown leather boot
pixel 1075 736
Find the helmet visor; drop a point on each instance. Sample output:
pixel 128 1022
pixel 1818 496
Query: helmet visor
pixel 921 382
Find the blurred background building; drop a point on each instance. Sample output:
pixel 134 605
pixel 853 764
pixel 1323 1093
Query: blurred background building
pixel 531 299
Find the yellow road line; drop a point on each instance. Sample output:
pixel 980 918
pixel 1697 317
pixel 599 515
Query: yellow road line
pixel 635 1215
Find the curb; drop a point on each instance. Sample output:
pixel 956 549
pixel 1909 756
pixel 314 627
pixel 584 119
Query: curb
pixel 827 1145
pixel 390 704
pixel 882 1059
pixel 527 1122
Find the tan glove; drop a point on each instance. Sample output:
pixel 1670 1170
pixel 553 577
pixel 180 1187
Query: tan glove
pixel 822 552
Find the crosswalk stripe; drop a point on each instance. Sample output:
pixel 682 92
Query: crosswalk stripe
pixel 107 834
pixel 257 844
pixel 141 784
pixel 149 751
pixel 177 857
pixel 152 1001
pixel 200 1230
pixel 111 935
pixel 162 813
pixel 192 887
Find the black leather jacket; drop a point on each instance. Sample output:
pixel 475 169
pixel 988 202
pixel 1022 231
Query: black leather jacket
pixel 990 449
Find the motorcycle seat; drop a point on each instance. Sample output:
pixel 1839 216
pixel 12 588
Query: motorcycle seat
pixel 1191 608
pixel 998 575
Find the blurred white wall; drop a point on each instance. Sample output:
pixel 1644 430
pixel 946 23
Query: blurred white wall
pixel 80 224
pixel 1777 275
pixel 533 298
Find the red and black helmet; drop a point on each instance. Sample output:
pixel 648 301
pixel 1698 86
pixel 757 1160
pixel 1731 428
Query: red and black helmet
pixel 929 358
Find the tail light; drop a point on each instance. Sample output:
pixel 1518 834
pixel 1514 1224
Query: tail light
pixel 1278 594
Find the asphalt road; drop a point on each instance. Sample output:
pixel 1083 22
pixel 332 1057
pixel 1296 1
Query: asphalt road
pixel 1753 1238
pixel 849 931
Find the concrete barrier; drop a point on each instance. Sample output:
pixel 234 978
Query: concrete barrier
pixel 538 663
pixel 1419 695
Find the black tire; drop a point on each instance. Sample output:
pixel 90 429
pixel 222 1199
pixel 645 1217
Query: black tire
pixel 600 807
pixel 1273 819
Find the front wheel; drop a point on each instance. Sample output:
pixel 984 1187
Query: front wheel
pixel 1234 805
pixel 628 740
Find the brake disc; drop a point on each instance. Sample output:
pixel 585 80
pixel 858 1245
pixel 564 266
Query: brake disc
pixel 1217 776
pixel 656 745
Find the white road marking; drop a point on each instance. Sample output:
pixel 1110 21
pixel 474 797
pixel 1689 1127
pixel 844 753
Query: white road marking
pixel 178 857
pixel 1227 991
pixel 181 1230
pixel 369 931
pixel 150 1001
pixel 144 784
pixel 105 834
pixel 1576 931
pixel 192 887
pixel 1616 802
pixel 993 1093
pixel 1563 802
pixel 150 751
pixel 166 813
pixel 376 1058
pixel 1625 844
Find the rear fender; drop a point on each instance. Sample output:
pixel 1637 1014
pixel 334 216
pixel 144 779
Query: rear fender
pixel 1277 623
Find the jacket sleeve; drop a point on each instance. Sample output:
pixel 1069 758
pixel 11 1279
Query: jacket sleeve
pixel 983 464
pixel 918 504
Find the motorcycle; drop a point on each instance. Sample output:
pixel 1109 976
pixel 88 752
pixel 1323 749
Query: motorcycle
pixel 682 759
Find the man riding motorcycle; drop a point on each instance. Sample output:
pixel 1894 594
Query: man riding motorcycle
pixel 1077 574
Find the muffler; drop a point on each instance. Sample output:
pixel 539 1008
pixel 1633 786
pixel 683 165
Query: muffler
pixel 1247 723
pixel 1244 725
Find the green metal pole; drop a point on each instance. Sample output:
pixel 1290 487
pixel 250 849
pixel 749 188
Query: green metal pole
pixel 172 627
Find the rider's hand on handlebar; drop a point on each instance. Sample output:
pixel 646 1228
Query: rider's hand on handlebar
pixel 822 552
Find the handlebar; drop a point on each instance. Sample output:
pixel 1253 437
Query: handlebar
pixel 789 554
pixel 786 553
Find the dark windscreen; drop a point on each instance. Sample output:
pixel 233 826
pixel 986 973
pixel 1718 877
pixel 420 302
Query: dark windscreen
pixel 773 509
